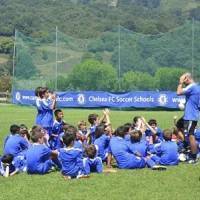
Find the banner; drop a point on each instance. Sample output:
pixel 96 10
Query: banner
pixel 91 99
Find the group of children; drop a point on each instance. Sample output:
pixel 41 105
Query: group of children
pixel 78 151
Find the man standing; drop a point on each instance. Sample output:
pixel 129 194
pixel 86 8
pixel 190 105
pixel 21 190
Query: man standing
pixel 191 90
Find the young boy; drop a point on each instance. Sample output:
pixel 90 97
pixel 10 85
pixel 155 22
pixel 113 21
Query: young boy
pixel 24 132
pixel 82 127
pixel 167 151
pixel 39 156
pixel 136 145
pixel 156 138
pixel 92 163
pixel 83 132
pixel 9 166
pixel 38 105
pixel 101 142
pixel 56 130
pixel 14 143
pixel 71 158
pixel 121 152
pixel 47 105
pixel 94 121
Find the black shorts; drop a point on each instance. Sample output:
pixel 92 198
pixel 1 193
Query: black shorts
pixel 189 127
pixel 180 124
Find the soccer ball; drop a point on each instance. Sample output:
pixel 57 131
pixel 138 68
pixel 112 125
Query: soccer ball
pixel 181 106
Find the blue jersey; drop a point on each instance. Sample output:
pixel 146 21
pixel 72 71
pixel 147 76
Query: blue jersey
pixel 47 113
pixel 168 153
pixel 20 163
pixel 127 137
pixel 102 144
pixel 159 134
pixel 139 147
pixel 92 165
pixel 78 144
pixel 121 152
pixel 192 94
pixel 38 103
pixel 15 144
pixel 5 140
pixel 71 161
pixel 38 159
pixel 92 133
pixel 197 135
pixel 57 130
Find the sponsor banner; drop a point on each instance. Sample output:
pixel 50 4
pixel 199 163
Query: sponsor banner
pixel 88 99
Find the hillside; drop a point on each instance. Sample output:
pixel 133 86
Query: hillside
pixel 89 18
pixel 154 34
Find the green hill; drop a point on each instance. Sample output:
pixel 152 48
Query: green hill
pixel 154 34
pixel 89 18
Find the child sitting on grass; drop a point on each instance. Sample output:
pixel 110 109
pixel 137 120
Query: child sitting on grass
pixel 136 145
pixel 10 165
pixel 94 121
pixel 15 143
pixel 92 163
pixel 119 148
pixel 71 158
pixel 166 153
pixel 102 141
pixel 39 156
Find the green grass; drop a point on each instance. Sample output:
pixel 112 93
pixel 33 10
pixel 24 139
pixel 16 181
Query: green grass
pixel 180 182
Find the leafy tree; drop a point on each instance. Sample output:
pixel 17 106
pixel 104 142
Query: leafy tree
pixel 93 75
pixel 25 67
pixel 137 81
pixel 6 45
pixel 5 83
pixel 167 78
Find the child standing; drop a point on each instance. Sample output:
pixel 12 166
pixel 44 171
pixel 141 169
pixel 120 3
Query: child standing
pixel 47 105
pixel 38 101
pixel 57 129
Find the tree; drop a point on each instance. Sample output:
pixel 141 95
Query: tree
pixel 5 83
pixel 6 45
pixel 137 81
pixel 25 67
pixel 167 78
pixel 93 75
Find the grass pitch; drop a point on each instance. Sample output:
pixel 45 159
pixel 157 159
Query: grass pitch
pixel 180 182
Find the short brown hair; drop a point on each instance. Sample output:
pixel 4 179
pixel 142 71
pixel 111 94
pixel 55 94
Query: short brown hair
pixel 81 123
pixel 91 151
pixel 167 134
pixel 135 135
